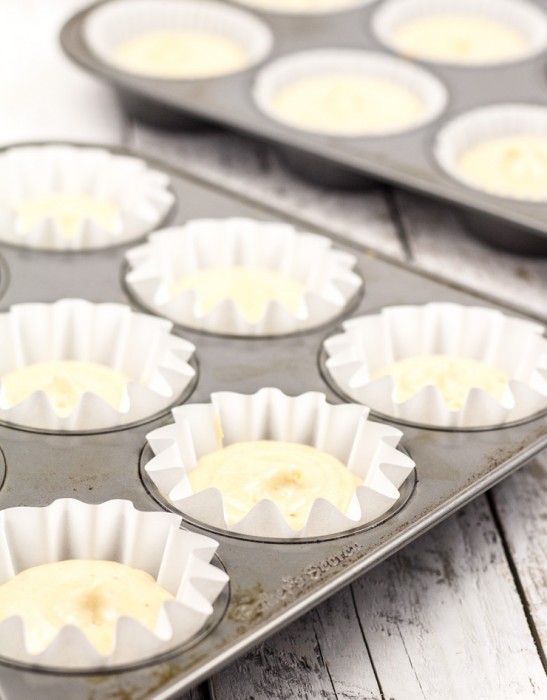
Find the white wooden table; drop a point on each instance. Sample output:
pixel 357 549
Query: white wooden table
pixel 460 613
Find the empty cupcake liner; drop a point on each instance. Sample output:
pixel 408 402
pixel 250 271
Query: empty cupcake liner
pixel 304 7
pixel 111 531
pixel 482 125
pixel 139 196
pixel 113 23
pixel 326 273
pixel 138 345
pixel 519 15
pixel 370 343
pixel 289 69
pixel 368 449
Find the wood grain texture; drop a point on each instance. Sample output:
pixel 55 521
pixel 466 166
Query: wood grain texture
pixel 443 618
pixel 321 655
pixel 521 505
pixel 440 243
pixel 252 168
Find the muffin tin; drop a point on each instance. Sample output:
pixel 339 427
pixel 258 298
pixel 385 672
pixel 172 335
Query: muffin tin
pixel 404 159
pixel 272 581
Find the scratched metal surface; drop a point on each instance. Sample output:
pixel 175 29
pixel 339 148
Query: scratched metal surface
pixel 405 159
pixel 272 582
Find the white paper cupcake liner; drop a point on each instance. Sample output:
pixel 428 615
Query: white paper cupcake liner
pixel 370 343
pixel 519 15
pixel 140 194
pixel 289 69
pixel 484 124
pixel 112 531
pixel 304 7
pixel 309 258
pixel 138 345
pixel 368 449
pixel 116 22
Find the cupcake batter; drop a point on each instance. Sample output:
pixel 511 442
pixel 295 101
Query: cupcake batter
pixel 453 377
pixel 68 211
pixel 512 166
pixel 458 39
pixel 347 103
pixel 181 54
pixel 251 288
pixel 90 594
pixel 290 474
pixel 64 382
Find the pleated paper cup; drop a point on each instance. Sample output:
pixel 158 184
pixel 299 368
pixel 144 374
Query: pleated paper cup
pixel 113 531
pixel 520 16
pixel 114 198
pixel 112 24
pixel 137 345
pixel 304 7
pixel 512 345
pixel 480 126
pixel 343 431
pixel 325 273
pixel 289 70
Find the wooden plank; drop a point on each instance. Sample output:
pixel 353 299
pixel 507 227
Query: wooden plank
pixel 440 243
pixel 321 655
pixel 251 168
pixel 443 618
pixel 520 503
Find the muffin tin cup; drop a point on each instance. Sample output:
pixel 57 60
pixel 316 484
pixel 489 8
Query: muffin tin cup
pixel 272 580
pixel 518 15
pixel 368 449
pixel 482 125
pixel 404 159
pixel 371 343
pixel 112 531
pixel 290 69
pixel 325 273
pixel 140 196
pixel 119 21
pixel 137 345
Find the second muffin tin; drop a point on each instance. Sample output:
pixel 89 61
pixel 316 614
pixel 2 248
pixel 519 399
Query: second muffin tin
pixel 404 159
pixel 271 581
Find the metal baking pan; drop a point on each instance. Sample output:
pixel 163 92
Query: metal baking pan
pixel 272 582
pixel 405 159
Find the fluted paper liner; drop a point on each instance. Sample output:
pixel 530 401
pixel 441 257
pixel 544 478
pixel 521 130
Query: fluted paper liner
pixel 518 15
pixel 140 194
pixel 513 345
pixel 111 24
pixel 137 344
pixel 304 7
pixel 484 124
pixel 112 531
pixel 368 449
pixel 309 258
pixel 284 71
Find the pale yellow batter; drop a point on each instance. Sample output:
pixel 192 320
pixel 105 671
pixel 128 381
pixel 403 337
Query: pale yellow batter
pixel 458 39
pixel 181 54
pixel 453 377
pixel 290 474
pixel 68 210
pixel 346 103
pixel 251 288
pixel 89 594
pixel 64 382
pixel 513 166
